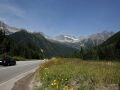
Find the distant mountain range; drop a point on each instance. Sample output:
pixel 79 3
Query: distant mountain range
pixel 82 41
pixel 66 38
pixel 71 41
pixel 108 50
pixel 20 42
pixel 37 40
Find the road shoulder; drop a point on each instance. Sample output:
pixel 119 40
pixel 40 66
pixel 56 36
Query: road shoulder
pixel 23 84
pixel 8 85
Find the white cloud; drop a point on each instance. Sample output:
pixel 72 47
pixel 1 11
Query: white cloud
pixel 11 10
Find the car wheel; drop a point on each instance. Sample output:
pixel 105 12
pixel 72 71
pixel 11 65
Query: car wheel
pixel 8 64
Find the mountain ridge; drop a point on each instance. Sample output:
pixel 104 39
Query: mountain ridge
pixel 72 41
pixel 49 49
pixel 88 41
pixel 8 29
pixel 108 50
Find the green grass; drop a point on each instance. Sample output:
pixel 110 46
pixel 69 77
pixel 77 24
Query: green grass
pixel 75 74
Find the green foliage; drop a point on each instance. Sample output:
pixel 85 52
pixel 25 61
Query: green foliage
pixel 36 42
pixel 109 50
pixel 11 47
pixel 32 46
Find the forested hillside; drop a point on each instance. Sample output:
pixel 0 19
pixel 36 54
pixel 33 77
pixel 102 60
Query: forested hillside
pixel 32 45
pixel 109 50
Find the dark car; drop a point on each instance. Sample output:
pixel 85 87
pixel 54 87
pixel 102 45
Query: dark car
pixel 0 62
pixel 8 61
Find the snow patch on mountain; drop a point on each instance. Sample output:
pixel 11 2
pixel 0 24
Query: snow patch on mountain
pixel 8 29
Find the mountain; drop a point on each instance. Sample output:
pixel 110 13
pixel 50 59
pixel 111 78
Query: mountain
pixel 82 41
pixel 37 44
pixel 113 40
pixel 96 39
pixel 72 41
pixel 66 38
pixel 108 50
pixel 20 42
pixel 44 46
pixel 111 47
pixel 8 29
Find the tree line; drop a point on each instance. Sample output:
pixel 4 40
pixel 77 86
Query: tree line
pixel 110 52
pixel 12 48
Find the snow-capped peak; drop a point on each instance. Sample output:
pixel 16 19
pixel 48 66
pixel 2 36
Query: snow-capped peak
pixel 66 38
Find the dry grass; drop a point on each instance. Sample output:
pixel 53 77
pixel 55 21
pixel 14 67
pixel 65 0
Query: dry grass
pixel 75 74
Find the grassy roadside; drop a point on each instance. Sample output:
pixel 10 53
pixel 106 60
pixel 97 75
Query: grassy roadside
pixel 75 74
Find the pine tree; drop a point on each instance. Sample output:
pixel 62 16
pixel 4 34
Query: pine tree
pixel 81 53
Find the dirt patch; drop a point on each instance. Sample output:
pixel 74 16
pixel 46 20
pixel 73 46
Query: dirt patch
pixel 23 84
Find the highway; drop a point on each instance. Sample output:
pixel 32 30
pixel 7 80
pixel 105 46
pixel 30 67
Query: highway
pixel 9 72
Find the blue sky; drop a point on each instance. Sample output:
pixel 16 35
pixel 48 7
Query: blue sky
pixel 69 17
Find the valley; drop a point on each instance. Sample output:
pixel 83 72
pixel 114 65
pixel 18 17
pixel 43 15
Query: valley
pixel 64 62
pixel 59 44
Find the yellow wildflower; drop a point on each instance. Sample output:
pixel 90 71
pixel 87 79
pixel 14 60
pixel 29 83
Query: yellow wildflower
pixel 71 88
pixel 68 88
pixel 65 88
pixel 54 83
pixel 54 80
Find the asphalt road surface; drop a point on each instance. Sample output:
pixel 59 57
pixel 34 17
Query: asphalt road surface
pixel 9 72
